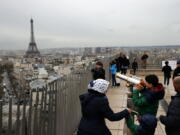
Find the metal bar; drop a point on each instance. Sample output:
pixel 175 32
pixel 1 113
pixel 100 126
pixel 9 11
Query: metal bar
pixel 17 118
pixel 9 132
pixel 44 123
pixel 35 124
pixel 41 117
pixel 24 132
pixel 1 115
pixel 49 111
pixel 30 115
pixel 55 106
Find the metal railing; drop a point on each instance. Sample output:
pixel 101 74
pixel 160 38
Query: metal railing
pixel 53 110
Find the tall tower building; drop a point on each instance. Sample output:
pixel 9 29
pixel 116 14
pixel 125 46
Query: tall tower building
pixel 32 51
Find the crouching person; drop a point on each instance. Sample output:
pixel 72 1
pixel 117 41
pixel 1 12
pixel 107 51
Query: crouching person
pixel 95 108
pixel 172 119
pixel 147 125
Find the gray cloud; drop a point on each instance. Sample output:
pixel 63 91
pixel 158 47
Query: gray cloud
pixel 73 23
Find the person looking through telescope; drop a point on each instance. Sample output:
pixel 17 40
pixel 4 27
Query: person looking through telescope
pixel 147 94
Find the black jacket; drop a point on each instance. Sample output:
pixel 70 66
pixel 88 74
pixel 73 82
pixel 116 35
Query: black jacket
pixel 147 125
pixel 95 108
pixel 118 64
pixel 176 72
pixel 167 71
pixel 98 73
pixel 153 96
pixel 172 119
pixel 144 57
pixel 120 61
pixel 134 65
pixel 126 62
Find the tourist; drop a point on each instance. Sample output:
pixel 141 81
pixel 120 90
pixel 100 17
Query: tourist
pixel 125 64
pixel 134 66
pixel 147 125
pixel 147 94
pixel 120 61
pixel 172 119
pixel 177 70
pixel 167 73
pixel 98 72
pixel 95 108
pixel 113 70
pixel 117 64
pixel 144 60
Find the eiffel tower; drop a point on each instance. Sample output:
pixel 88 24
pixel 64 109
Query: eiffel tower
pixel 32 51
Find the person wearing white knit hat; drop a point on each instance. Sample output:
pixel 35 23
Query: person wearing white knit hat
pixel 95 108
pixel 99 85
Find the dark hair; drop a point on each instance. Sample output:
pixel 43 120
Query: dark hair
pixel 167 62
pixel 178 61
pixel 152 79
pixel 113 62
pixel 99 63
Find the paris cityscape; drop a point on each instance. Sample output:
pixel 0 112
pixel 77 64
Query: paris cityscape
pixel 32 67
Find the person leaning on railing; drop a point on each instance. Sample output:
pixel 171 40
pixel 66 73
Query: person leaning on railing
pixel 95 108
pixel 147 94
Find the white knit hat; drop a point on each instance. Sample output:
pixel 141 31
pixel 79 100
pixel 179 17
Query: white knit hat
pixel 99 85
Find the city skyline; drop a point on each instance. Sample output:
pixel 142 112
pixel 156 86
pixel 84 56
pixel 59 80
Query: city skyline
pixel 83 23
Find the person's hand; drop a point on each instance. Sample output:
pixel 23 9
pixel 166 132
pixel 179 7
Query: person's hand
pixel 129 94
pixel 128 84
pixel 142 82
pixel 129 110
pixel 139 87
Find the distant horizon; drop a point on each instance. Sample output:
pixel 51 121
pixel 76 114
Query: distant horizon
pixel 130 46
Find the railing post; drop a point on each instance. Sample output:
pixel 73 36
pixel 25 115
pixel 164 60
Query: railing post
pixel 30 115
pixel 1 115
pixel 24 122
pixel 9 132
pixel 35 121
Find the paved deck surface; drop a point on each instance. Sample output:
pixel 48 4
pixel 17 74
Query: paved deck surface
pixel 118 101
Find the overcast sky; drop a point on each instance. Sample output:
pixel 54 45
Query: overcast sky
pixel 79 23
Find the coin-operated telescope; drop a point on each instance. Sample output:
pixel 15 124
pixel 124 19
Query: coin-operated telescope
pixel 133 80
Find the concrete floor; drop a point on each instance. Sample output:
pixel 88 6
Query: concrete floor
pixel 118 101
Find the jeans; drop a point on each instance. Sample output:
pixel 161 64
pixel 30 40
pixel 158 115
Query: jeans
pixel 134 71
pixel 114 80
pixel 166 80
